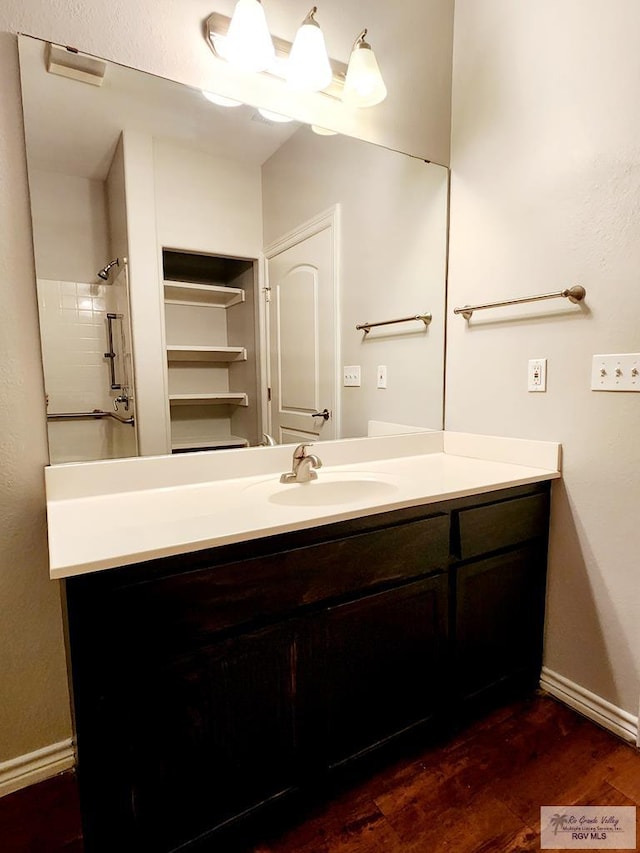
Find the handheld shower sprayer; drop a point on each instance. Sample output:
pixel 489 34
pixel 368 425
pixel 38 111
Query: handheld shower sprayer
pixel 104 272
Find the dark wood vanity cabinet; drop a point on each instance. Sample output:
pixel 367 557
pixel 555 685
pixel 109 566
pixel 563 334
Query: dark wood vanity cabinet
pixel 210 685
pixel 498 596
pixel 498 623
pixel 379 663
pixel 213 735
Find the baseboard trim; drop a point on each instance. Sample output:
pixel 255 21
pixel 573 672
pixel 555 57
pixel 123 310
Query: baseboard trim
pixel 36 766
pixel 590 705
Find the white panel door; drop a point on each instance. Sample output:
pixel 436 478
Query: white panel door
pixel 302 332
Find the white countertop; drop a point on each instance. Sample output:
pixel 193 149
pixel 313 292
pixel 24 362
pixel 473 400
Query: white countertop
pixel 117 512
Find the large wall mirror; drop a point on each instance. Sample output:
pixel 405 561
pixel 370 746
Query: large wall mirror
pixel 201 269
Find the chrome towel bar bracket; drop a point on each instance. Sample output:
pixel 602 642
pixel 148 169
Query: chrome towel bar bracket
pixel 574 294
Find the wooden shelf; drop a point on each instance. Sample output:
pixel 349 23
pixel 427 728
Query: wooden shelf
pixel 191 353
pixel 206 442
pixel 197 290
pixel 213 295
pixel 236 398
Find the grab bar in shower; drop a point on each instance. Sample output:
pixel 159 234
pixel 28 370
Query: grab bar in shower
pixel 111 355
pixel 366 327
pixel 574 294
pixel 95 415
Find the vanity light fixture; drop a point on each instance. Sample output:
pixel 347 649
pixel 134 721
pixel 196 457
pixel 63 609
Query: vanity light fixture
pixel 308 68
pixel 271 116
pixel 248 44
pixel 323 131
pixel 364 86
pixel 302 65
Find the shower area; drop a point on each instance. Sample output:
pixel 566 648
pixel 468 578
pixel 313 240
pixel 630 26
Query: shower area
pixel 79 225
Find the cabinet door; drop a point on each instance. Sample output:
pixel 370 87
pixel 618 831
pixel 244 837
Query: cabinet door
pixel 206 737
pixel 381 659
pixel 499 621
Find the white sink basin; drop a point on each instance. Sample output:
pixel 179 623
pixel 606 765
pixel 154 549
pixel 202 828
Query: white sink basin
pixel 328 490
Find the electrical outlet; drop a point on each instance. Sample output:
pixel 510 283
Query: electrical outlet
pixel 616 372
pixel 382 376
pixel 351 376
pixel 537 374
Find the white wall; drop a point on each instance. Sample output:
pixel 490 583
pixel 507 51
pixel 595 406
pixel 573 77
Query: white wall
pixel 124 437
pixel 206 203
pixel 145 295
pixel 545 194
pixel 413 44
pixel 35 710
pixel 117 208
pixel 69 226
pixel 393 241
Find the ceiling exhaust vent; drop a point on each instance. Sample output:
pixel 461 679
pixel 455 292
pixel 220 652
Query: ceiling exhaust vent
pixel 69 62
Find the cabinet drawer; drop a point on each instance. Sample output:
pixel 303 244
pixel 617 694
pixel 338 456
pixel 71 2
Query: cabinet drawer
pixel 182 609
pixel 487 528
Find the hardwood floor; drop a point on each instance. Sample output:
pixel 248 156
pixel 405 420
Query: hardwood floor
pixel 43 818
pixel 479 793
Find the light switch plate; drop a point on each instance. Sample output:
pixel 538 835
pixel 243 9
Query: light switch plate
pixel 382 376
pixel 616 372
pixel 351 376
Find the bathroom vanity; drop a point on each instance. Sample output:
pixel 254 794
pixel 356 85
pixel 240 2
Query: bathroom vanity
pixel 213 682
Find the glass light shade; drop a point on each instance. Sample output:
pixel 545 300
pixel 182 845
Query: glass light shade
pixel 323 131
pixel 220 100
pixel 308 67
pixel 363 86
pixel 248 45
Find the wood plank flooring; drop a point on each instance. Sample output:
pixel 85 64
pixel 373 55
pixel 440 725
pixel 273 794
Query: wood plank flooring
pixel 43 818
pixel 479 793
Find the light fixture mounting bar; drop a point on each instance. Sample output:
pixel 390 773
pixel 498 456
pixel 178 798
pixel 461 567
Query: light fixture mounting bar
pixel 216 27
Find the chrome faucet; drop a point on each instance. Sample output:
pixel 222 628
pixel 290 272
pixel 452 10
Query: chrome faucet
pixel 123 397
pixel 302 468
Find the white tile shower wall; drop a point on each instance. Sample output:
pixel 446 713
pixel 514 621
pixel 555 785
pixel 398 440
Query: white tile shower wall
pixel 73 329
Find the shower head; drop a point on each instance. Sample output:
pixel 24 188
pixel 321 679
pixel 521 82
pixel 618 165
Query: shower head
pixel 104 272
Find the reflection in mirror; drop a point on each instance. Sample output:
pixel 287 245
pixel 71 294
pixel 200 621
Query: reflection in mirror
pixel 201 270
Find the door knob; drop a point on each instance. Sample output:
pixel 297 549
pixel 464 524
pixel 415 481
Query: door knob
pixel 325 413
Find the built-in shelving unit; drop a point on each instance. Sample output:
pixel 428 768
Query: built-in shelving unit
pixel 209 333
pixel 207 443
pixel 218 399
pixel 185 293
pixel 196 354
